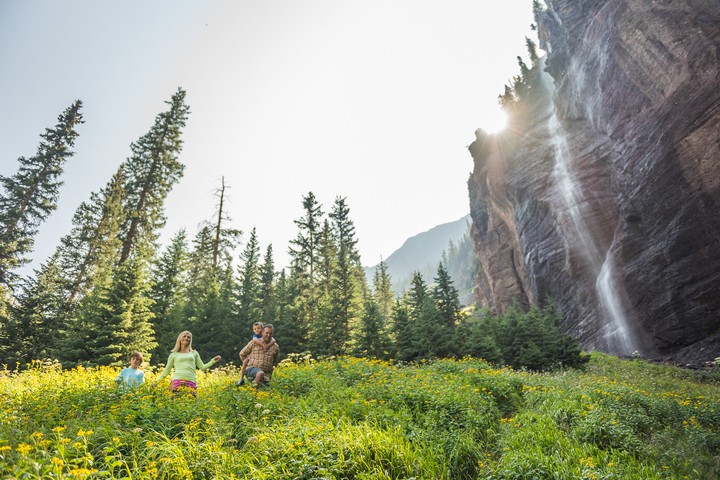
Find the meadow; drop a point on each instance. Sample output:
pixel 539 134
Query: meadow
pixel 348 418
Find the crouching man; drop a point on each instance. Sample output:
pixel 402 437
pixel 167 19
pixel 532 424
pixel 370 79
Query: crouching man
pixel 262 359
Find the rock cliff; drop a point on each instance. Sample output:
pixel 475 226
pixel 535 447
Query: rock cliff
pixel 603 192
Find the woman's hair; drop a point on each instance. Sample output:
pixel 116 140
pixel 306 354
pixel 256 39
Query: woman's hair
pixel 177 342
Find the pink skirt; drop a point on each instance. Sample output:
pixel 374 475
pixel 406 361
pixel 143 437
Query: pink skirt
pixel 175 385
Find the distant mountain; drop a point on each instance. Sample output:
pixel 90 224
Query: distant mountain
pixel 423 253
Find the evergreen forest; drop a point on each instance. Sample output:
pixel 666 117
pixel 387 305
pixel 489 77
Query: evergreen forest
pixel 110 289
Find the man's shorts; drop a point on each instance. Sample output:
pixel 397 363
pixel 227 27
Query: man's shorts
pixel 252 371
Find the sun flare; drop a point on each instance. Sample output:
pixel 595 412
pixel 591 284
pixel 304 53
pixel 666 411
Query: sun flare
pixel 493 120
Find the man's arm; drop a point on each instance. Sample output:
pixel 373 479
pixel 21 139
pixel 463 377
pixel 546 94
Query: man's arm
pixel 246 350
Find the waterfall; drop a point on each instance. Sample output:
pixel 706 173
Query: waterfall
pixel 615 330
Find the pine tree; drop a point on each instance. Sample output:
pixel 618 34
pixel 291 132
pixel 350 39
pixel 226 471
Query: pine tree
pixel 382 287
pixel 290 334
pixel 152 170
pixel 33 325
pixel 168 293
pixel 303 281
pixel 427 334
pixel 532 51
pixel 121 320
pixel 210 307
pixel 322 340
pixel 267 302
pixel 249 275
pixel 93 242
pixel 371 340
pixel 402 330
pixel 29 196
pixel 449 312
pixel 348 280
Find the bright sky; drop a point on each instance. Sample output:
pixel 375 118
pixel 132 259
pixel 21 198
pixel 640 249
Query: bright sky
pixel 374 100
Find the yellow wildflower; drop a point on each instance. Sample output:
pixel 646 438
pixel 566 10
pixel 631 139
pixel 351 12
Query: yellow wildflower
pixel 24 448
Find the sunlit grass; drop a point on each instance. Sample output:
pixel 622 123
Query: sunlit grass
pixel 352 418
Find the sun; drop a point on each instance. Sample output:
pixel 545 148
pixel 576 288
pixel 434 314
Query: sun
pixel 493 120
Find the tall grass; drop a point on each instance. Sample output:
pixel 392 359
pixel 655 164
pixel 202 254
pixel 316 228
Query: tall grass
pixel 362 419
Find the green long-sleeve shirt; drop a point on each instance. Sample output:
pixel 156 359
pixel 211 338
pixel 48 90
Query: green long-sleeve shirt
pixel 184 365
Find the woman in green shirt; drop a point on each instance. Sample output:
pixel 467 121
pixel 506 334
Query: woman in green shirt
pixel 184 360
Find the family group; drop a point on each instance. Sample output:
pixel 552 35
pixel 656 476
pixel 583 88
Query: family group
pixel 259 358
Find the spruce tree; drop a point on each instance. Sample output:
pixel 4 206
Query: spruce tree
pixel 303 281
pixel 449 312
pixel 348 280
pixel 152 170
pixel 382 287
pixel 266 301
pixel 122 321
pixel 34 324
pixel 427 334
pixel 289 333
pixel 210 307
pixel 93 243
pixel 402 330
pixel 249 279
pixel 168 293
pixel 371 339
pixel 28 197
pixel 322 338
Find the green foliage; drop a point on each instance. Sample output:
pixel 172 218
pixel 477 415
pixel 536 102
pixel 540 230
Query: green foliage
pixel 152 170
pixel 351 418
pixel 168 293
pixel 28 197
pixel 529 339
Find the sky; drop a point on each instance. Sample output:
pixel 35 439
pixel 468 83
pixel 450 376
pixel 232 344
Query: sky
pixel 373 100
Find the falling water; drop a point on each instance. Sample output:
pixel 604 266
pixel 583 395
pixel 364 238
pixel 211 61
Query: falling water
pixel 616 330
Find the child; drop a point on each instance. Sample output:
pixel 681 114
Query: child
pixel 131 377
pixel 257 338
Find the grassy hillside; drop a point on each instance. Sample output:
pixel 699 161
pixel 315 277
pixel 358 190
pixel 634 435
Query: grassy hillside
pixel 359 419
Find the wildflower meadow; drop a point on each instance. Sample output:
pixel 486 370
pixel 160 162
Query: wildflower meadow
pixel 348 418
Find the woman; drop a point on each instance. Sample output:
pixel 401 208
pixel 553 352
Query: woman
pixel 184 360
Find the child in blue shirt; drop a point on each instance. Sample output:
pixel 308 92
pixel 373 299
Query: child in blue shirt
pixel 131 377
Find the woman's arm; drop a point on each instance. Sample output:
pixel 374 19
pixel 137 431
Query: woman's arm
pixel 168 367
pixel 202 366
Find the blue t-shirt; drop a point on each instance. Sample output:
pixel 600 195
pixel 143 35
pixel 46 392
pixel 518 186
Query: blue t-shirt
pixel 255 335
pixel 130 378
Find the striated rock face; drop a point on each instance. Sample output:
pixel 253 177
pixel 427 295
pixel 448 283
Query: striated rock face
pixel 604 193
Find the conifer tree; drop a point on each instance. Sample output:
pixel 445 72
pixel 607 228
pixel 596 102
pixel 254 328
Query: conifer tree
pixel 209 306
pixel 28 197
pixel 267 304
pixel 249 275
pixel 121 323
pixel 372 340
pixel 532 51
pixel 33 326
pixel 321 327
pixel 347 285
pixel 93 243
pixel 427 334
pixel 303 281
pixel 289 333
pixel 446 298
pixel 152 170
pixel 449 312
pixel 402 330
pixel 168 293
pixel 382 287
